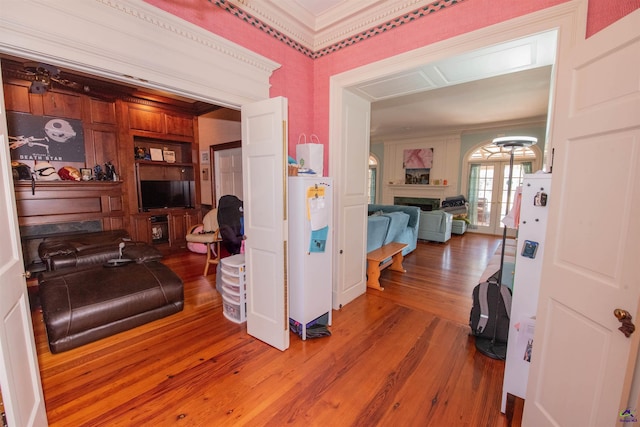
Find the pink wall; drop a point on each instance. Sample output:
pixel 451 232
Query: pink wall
pixel 603 13
pixel 294 80
pixel 305 82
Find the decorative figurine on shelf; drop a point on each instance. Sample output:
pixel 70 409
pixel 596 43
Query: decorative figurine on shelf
pixel 110 174
pixel 140 153
pixel 97 173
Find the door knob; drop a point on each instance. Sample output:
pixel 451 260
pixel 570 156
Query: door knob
pixel 624 317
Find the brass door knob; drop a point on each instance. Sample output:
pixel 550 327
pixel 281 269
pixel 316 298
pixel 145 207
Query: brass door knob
pixel 624 317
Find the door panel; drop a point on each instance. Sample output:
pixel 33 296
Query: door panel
pixel 19 372
pixel 264 152
pixel 228 167
pixel 351 205
pixel 582 365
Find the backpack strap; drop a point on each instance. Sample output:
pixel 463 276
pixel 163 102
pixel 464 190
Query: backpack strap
pixel 484 306
pixel 506 298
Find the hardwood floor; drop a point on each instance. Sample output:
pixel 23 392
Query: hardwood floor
pixel 400 357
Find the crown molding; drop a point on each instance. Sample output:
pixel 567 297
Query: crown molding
pixel 337 25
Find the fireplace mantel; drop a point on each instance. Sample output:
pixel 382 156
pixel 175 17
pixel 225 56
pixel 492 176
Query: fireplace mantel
pixel 417 186
pixel 414 190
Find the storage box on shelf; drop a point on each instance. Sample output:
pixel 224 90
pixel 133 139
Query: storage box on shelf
pixel 234 290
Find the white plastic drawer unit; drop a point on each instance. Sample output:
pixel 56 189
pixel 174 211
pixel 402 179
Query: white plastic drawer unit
pixel 234 291
pixel 232 310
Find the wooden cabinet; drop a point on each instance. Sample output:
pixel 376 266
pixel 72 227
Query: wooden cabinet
pixel 141 118
pixel 165 229
pixel 141 228
pixel 179 226
pixel 178 230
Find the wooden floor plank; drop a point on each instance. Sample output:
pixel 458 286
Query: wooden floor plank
pixel 399 357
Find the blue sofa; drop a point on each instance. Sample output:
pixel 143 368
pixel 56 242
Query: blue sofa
pixel 392 223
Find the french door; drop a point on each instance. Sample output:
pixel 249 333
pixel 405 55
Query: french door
pixel 488 187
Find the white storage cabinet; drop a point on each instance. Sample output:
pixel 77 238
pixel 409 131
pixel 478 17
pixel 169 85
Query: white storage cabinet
pixel 310 273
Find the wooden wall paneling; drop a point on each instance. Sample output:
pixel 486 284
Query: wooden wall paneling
pixel 16 97
pixel 59 104
pixel 104 149
pixel 102 112
pixel 145 120
pixel 126 157
pixel 113 223
pixel 195 160
pixel 179 125
pixel 68 201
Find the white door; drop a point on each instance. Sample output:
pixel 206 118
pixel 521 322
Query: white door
pixel 19 372
pixel 228 167
pixel 582 365
pixel 264 154
pixel 351 167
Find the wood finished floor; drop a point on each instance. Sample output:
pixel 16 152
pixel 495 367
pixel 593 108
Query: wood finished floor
pixel 398 357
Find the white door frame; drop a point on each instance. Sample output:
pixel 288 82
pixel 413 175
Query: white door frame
pixel 565 18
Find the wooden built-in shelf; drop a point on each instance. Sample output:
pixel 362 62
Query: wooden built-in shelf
pixel 67 201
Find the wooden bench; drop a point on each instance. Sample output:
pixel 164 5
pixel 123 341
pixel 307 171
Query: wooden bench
pixel 375 263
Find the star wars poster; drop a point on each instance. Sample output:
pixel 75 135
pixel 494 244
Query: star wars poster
pixel 45 138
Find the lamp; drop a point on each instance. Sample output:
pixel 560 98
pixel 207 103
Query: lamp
pixel 486 346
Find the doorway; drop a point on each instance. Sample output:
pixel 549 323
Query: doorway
pixel 226 170
pixel 488 172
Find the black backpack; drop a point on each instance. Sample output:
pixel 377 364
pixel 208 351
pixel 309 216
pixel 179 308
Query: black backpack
pixel 491 306
pixel 230 216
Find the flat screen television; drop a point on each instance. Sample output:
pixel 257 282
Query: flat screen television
pixel 166 194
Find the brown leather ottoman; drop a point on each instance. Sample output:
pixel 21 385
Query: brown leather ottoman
pixel 85 304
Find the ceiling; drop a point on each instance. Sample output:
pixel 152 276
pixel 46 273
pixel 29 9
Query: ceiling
pixel 509 83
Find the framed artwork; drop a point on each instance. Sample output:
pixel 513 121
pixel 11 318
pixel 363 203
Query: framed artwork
pixel 45 138
pixel 417 176
pixel 169 156
pixel 418 158
pixel 417 163
pixel 156 154
pixel 86 174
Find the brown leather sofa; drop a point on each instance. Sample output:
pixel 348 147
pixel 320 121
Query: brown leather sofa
pixel 89 299
pixel 76 250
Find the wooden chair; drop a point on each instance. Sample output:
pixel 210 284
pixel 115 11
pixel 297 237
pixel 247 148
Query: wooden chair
pixel 210 235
